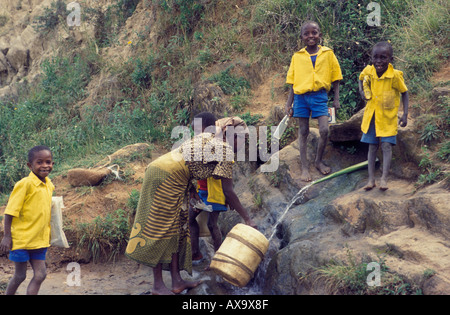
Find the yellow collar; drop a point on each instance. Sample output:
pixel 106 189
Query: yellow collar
pixel 36 181
pixel 388 74
pixel 321 49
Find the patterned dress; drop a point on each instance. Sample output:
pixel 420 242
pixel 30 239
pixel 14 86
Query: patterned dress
pixel 161 224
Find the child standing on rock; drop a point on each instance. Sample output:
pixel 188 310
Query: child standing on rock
pixel 312 72
pixel 381 86
pixel 27 221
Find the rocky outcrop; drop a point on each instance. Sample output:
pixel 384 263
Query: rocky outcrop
pixel 409 229
pixel 20 44
pixel 406 228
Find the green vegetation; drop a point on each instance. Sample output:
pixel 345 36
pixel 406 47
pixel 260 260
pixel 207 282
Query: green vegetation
pixel 351 278
pixel 51 17
pixel 105 237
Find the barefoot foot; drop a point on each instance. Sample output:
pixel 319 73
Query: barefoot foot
pixel 324 169
pixel 161 291
pixel 183 285
pixel 305 175
pixel 370 185
pixel 383 184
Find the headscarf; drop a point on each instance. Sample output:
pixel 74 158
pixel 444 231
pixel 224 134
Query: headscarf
pixel 208 154
pixel 223 123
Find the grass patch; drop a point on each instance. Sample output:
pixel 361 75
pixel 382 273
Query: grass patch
pixel 105 238
pixel 351 278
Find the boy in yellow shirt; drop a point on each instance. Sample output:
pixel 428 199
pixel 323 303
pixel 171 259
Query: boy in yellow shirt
pixel 312 72
pixel 382 87
pixel 27 221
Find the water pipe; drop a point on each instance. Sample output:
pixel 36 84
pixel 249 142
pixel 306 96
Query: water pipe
pixel 343 171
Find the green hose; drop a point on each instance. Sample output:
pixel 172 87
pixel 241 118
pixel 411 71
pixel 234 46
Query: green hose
pixel 341 172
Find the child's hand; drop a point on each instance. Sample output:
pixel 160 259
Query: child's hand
pixel 6 244
pixel 403 121
pixel 289 111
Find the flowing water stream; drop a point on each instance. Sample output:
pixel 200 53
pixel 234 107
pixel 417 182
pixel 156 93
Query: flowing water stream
pixel 256 285
pixel 309 215
pixel 298 197
pixel 306 219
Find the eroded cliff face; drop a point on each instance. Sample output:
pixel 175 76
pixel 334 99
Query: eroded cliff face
pixel 24 45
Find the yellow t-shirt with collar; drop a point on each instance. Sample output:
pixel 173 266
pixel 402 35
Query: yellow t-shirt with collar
pixel 306 78
pixel 385 101
pixel 30 205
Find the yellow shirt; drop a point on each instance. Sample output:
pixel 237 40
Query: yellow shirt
pixel 215 191
pixel 306 78
pixel 386 93
pixel 30 205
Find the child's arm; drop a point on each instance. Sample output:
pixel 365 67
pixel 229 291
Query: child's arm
pixel 404 119
pixel 361 90
pixel 6 242
pixel 290 100
pixel 336 103
pixel 233 200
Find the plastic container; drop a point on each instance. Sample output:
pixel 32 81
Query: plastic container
pixel 331 115
pixel 281 128
pixel 202 220
pixel 366 87
pixel 240 254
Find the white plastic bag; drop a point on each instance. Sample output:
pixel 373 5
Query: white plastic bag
pixel 281 128
pixel 58 238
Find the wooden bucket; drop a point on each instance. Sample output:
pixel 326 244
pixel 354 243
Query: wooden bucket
pixel 240 254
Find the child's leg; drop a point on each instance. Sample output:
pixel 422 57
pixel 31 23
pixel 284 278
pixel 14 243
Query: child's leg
pixel 20 273
pixel 371 158
pixel 323 131
pixel 40 273
pixel 214 229
pixel 386 147
pixel 194 230
pixel 303 133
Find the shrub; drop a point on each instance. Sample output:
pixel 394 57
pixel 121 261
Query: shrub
pixel 105 237
pixel 351 278
pixel 142 74
pixel 51 17
pixel 229 83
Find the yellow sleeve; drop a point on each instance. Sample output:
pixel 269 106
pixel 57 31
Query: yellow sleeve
pixel 336 73
pixel 399 82
pixel 290 73
pixel 364 73
pixel 16 199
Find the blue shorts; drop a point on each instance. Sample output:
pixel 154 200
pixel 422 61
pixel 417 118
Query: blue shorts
pixel 24 255
pixel 371 136
pixel 312 104
pixel 203 194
